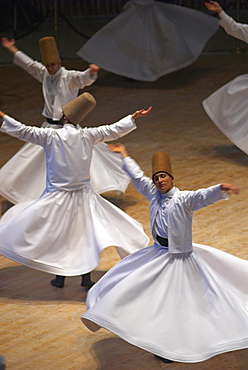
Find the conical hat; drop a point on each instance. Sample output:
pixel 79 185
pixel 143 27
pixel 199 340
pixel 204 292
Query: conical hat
pixel 161 163
pixel 49 51
pixel 77 109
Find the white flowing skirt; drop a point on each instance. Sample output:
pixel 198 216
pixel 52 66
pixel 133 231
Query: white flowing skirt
pixel 228 109
pixel 145 42
pixel 184 307
pixel 64 233
pixel 23 177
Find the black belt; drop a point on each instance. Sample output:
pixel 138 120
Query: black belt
pixel 50 120
pixel 162 241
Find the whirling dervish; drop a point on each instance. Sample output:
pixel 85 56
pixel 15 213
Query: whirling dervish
pixel 149 39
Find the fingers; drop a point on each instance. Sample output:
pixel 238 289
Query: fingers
pixel 230 188
pixel 116 147
pixel 94 68
pixel 143 112
pixel 6 42
pixel 235 190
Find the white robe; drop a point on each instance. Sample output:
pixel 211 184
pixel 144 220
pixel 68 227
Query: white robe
pixel 233 28
pixel 149 39
pixel 23 177
pixel 227 106
pixel 65 230
pixel 186 305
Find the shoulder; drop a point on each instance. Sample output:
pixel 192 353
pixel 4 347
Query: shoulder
pixel 182 195
pixel 70 72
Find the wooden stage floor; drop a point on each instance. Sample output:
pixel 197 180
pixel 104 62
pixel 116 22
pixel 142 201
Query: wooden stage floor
pixel 40 325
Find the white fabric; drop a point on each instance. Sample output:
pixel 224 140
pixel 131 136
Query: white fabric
pixel 64 168
pixel 233 28
pixel 180 208
pixel 58 89
pixel 106 172
pixel 185 306
pixel 160 223
pixel 65 230
pixel 23 177
pixel 227 106
pixel 150 39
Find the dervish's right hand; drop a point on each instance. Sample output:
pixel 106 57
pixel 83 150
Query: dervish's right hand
pixel 7 43
pixel 213 6
pixel 229 188
pixel 141 113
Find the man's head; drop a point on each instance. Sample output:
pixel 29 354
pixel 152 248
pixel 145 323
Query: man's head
pixel 77 109
pixel 162 175
pixel 50 55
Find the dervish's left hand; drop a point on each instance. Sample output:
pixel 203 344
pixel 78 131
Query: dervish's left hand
pixel 93 68
pixel 228 188
pixel 118 148
pixel 141 113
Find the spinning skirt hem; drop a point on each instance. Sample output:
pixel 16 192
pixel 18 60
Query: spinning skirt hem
pixel 106 323
pixel 46 268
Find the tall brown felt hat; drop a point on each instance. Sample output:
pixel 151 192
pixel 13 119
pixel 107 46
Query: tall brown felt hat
pixel 77 109
pixel 49 51
pixel 161 163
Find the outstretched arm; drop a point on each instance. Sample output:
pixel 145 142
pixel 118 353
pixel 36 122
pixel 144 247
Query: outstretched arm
pixel 213 6
pixel 32 134
pixel 141 113
pixel 228 188
pixel 142 183
pixel 9 45
pixel 118 129
pixel 119 148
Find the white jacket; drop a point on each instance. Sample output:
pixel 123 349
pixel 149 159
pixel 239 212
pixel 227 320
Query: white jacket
pixel 233 28
pixel 182 205
pixel 58 89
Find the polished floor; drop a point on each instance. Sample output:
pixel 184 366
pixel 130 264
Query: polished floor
pixel 40 326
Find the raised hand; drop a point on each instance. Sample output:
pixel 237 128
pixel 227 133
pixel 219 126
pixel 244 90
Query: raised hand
pixel 141 113
pixel 7 43
pixel 93 68
pixel 228 188
pixel 213 6
pixel 118 148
